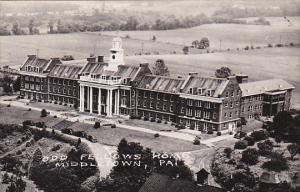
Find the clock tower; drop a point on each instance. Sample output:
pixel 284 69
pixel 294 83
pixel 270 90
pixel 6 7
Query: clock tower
pixel 116 54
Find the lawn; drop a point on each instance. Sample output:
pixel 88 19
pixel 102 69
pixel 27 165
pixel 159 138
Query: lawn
pixel 105 135
pixel 258 64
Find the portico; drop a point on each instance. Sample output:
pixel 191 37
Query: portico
pixel 99 99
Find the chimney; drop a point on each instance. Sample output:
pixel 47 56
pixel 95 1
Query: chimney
pixel 193 73
pixel 100 59
pixel 91 59
pixel 241 78
pixel 144 64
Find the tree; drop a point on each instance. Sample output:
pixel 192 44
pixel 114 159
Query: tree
pixel 51 27
pixel 250 156
pixel 228 152
pixel 30 26
pixel 17 84
pixel 223 72
pixel 37 156
pixel 5 178
pixel 281 122
pixel 204 43
pixel 12 187
pixel 20 185
pixel 97 125
pixel 160 68
pixel 277 163
pixel 7 84
pixel 154 38
pixel 293 150
pixel 16 30
pixel 195 43
pixel 265 148
pixel 67 58
pixel 44 113
pixel 185 50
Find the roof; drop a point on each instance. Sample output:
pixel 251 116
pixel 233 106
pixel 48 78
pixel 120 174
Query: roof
pixel 161 83
pixel 163 183
pixel 39 63
pixel 67 71
pixel 259 87
pixel 34 61
pixel 269 177
pixel 94 68
pixel 202 172
pixel 127 71
pixel 216 85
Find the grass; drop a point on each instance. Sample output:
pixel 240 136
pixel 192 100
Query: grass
pixel 231 35
pixel 150 125
pixel 105 135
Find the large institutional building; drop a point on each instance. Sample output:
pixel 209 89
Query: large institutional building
pixel 112 88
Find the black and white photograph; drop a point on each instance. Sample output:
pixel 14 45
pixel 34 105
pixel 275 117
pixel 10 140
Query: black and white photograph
pixel 150 96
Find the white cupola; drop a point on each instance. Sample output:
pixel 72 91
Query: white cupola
pixel 116 54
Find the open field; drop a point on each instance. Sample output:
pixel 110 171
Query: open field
pixel 232 35
pixel 14 49
pixel 259 64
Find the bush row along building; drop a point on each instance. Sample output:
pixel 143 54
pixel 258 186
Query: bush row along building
pixel 113 88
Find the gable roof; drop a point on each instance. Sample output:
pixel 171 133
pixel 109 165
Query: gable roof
pixel 44 65
pixel 217 85
pixel 94 68
pixel 126 71
pixel 163 183
pixel 66 71
pixel 161 83
pixel 259 87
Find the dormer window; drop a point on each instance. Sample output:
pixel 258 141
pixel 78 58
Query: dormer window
pixel 103 77
pixel 28 68
pixel 200 91
pixel 209 93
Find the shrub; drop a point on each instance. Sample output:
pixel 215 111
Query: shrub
pixel 250 140
pixel 138 117
pixel 43 113
pixel 65 104
pixel 67 131
pixel 265 148
pixel 230 133
pixel 19 152
pixel 29 109
pixel 113 126
pixel 228 152
pixel 146 119
pixel 196 141
pixel 241 144
pixel 250 156
pixel 277 163
pixel 54 116
pixel 152 120
pixel 8 105
pixel 55 102
pixel 79 134
pixel 210 132
pixel 166 122
pixel 158 121
pixel 156 135
pixel 132 117
pixel 97 125
pixel 56 147
pixel 219 133
pixel 291 44
pixel 270 45
pixel 5 178
pixel 28 144
pixel 259 135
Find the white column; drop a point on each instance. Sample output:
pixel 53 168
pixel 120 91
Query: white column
pixel 91 99
pixel 110 103
pixel 81 98
pixel 88 97
pixel 99 102
pixel 116 102
pixel 107 102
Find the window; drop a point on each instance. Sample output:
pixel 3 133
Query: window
pixel 74 92
pixel 243 109
pixel 157 106
pixel 230 114
pixel 171 98
pixel 171 108
pixel 200 91
pixel 123 102
pixel 151 104
pixel 182 110
pixel 145 103
pixel 237 92
pixel 236 112
pixel 198 113
pixel 226 104
pixel 206 115
pixel 164 107
pixel 231 104
pixel 151 95
pixel 165 96
pixel 214 115
pixel 207 105
pixel 209 93
pixel 232 93
pixel 158 96
pixel 190 102
pixel 133 93
pixel 250 99
pixel 198 103
pixel 227 94
pixel 65 91
pixel 225 114
pixel 189 112
pixel 145 94
pixel 237 102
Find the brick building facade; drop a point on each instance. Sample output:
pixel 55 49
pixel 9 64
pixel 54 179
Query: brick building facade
pixel 113 88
